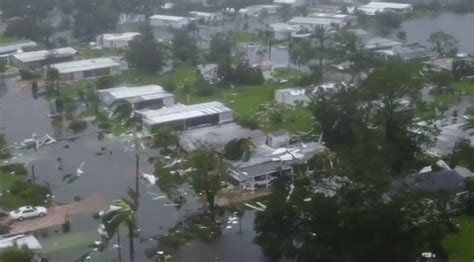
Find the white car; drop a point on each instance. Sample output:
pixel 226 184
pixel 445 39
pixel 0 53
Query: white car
pixel 28 212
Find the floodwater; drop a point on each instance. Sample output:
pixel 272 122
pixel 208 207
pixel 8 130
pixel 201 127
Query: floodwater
pixel 461 26
pixel 107 175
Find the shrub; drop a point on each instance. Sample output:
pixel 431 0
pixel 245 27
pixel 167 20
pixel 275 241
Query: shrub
pixel 30 193
pixel 17 169
pixel 77 125
pixel 26 74
pixel 105 82
pixel 250 123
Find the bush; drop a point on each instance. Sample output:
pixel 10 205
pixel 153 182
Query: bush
pixel 77 125
pixel 203 88
pixel 26 74
pixel 105 82
pixel 250 123
pixel 17 169
pixel 31 194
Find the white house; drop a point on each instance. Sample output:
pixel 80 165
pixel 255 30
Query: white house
pixel 169 21
pixel 116 41
pixel 35 59
pixel 11 48
pixel 281 31
pixel 293 96
pixel 289 2
pixel 373 8
pixel 141 97
pixel 189 116
pixel 309 23
pixel 206 17
pixel 257 10
pixel 337 20
pixel 88 69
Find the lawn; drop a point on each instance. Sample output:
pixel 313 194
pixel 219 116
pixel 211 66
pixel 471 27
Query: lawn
pixel 464 86
pixel 246 37
pixel 4 152
pixel 286 73
pixel 444 101
pixel 459 246
pixel 88 52
pixel 6 39
pixel 69 241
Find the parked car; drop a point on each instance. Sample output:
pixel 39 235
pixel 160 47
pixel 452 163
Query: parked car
pixel 28 212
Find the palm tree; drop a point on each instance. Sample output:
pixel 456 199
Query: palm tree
pixel 320 33
pixel 121 212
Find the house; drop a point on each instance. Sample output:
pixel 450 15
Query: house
pixel 19 241
pixel 300 96
pixel 337 20
pixel 266 163
pixel 406 52
pixel 257 10
pixel 141 97
pixel 281 31
pixel 10 48
pixel 187 116
pixel 309 23
pixel 377 43
pixel 36 59
pixel 289 2
pixel 439 65
pixel 87 69
pixel 209 72
pixel 131 18
pixel 116 41
pixel 278 138
pixel 360 34
pixel 217 136
pixel 293 96
pixel 373 8
pixel 451 181
pixel 169 21
pixel 206 17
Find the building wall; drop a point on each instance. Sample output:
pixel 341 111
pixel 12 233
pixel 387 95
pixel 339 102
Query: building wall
pixel 225 117
pixel 82 75
pixel 116 44
pixel 168 101
pixel 165 23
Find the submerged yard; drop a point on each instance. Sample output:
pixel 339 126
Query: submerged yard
pixel 459 246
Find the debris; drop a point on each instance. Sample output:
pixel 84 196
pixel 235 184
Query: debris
pixel 254 207
pixel 308 199
pixel 79 171
pixel 149 179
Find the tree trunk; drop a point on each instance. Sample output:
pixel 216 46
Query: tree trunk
pixel 210 200
pixel 132 245
pixel 119 245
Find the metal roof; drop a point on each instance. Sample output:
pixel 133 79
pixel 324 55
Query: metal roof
pixel 138 93
pixel 310 20
pixel 383 5
pixel 168 17
pixel 43 54
pixel 181 112
pixel 83 65
pixel 14 46
pixel 127 36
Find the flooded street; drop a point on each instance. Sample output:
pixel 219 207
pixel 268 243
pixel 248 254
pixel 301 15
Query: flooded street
pixel 105 175
pixel 458 25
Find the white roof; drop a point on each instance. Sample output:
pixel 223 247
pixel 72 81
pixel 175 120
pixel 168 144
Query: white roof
pixel 82 65
pixel 14 46
pixel 43 54
pixel 310 20
pixel 383 5
pixel 168 17
pixel 127 36
pixel 281 27
pixel 329 15
pixel 20 240
pixel 146 92
pixel 201 14
pixel 181 112
pixel 287 2
pixel 380 42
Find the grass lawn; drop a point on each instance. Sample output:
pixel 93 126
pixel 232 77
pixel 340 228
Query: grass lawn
pixel 88 52
pixel 68 241
pixel 444 101
pixel 247 37
pixel 465 86
pixel 6 182
pixel 286 73
pixel 459 246
pixel 6 39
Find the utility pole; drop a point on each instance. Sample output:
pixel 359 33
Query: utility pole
pixel 33 175
pixel 137 161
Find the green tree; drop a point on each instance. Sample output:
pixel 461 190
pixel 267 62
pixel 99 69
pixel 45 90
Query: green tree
pixel 238 148
pixel 387 21
pixel 402 36
pixel 208 175
pixel 28 28
pixel 53 77
pixel 15 254
pixel 443 43
pixel 164 137
pixel 93 17
pixel 220 50
pixel 144 53
pixel 332 218
pixel 184 47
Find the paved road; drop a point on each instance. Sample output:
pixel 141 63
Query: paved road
pixel 57 215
